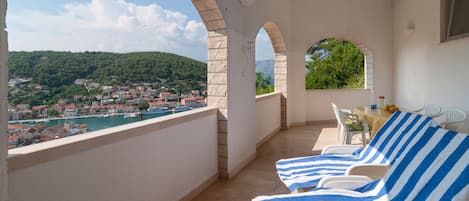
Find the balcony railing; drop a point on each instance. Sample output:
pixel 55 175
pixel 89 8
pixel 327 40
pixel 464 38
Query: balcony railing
pixel 267 116
pixel 166 158
pixel 318 107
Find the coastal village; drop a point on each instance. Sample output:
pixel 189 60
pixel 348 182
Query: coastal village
pixel 26 121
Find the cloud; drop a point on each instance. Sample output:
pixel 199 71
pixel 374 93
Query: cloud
pixel 108 25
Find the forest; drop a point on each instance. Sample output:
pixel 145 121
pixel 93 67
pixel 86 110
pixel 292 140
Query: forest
pixel 56 69
pixel 56 72
pixel 334 64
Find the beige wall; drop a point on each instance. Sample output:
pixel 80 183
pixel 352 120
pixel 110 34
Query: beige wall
pixel 319 102
pixel 267 116
pixel 427 71
pixel 149 163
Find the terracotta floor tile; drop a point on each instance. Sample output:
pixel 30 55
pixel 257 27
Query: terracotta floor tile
pixel 260 177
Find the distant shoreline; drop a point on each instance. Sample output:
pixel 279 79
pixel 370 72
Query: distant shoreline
pixel 62 118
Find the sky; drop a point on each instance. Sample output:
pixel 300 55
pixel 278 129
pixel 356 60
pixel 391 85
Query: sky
pixel 113 26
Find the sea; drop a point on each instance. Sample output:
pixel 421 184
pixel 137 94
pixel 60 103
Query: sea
pixel 100 122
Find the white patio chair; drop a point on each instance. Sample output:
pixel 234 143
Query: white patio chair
pixel 453 116
pixel 430 111
pixel 349 124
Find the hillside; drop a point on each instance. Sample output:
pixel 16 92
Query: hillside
pixel 56 69
pixel 266 67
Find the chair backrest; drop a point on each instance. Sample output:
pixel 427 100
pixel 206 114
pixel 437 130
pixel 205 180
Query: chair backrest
pixel 394 136
pixel 429 110
pixel 338 114
pixel 432 110
pixel 454 116
pixel 435 167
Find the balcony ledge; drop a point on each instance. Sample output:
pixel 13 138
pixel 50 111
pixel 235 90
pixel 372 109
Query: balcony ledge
pixel 263 97
pixel 31 155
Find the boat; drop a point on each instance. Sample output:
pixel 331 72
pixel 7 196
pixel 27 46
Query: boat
pixel 157 110
pixel 130 115
pixel 182 108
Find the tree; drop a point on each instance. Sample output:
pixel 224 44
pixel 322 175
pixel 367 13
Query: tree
pixel 35 114
pixel 263 85
pixel 334 64
pixel 52 113
pixel 143 106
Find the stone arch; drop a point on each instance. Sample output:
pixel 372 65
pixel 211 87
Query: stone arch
pixel 217 74
pixel 369 61
pixel 280 67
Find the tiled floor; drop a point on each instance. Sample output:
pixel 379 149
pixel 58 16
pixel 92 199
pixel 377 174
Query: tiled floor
pixel 259 177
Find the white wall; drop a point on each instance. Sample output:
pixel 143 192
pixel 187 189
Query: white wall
pixel 267 115
pixel 302 22
pixel 243 25
pixel 156 164
pixel 366 23
pixel 427 71
pixel 319 102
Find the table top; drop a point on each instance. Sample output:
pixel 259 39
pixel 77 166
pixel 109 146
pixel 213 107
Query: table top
pixel 378 113
pixel 376 118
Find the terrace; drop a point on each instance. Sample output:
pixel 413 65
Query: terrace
pixel 234 142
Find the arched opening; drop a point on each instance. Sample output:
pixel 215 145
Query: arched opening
pixel 280 67
pixel 338 64
pixel 264 63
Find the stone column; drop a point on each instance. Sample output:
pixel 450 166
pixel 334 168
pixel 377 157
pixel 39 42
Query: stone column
pixel 217 74
pixel 280 72
pixel 280 68
pixel 217 87
pixel 3 103
pixel 230 85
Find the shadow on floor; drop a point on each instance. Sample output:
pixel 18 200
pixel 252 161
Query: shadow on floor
pixel 260 177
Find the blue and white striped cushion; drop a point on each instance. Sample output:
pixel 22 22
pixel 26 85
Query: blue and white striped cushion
pixel 434 167
pixel 384 148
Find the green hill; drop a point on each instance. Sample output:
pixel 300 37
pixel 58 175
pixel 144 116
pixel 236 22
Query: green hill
pixel 56 69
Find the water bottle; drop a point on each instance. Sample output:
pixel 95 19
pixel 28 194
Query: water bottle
pixel 381 102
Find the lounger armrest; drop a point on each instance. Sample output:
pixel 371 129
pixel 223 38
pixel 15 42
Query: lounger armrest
pixel 373 171
pixel 343 182
pixel 340 149
pixel 346 110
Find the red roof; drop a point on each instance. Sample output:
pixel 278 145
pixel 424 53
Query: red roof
pixel 40 107
pixel 13 137
pixel 16 126
pixel 70 106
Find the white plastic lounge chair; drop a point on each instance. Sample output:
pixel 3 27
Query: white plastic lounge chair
pixel 348 125
pixel 434 168
pixel 430 110
pixel 453 116
pixel 388 143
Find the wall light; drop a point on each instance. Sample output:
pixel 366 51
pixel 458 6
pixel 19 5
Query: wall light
pixel 410 28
